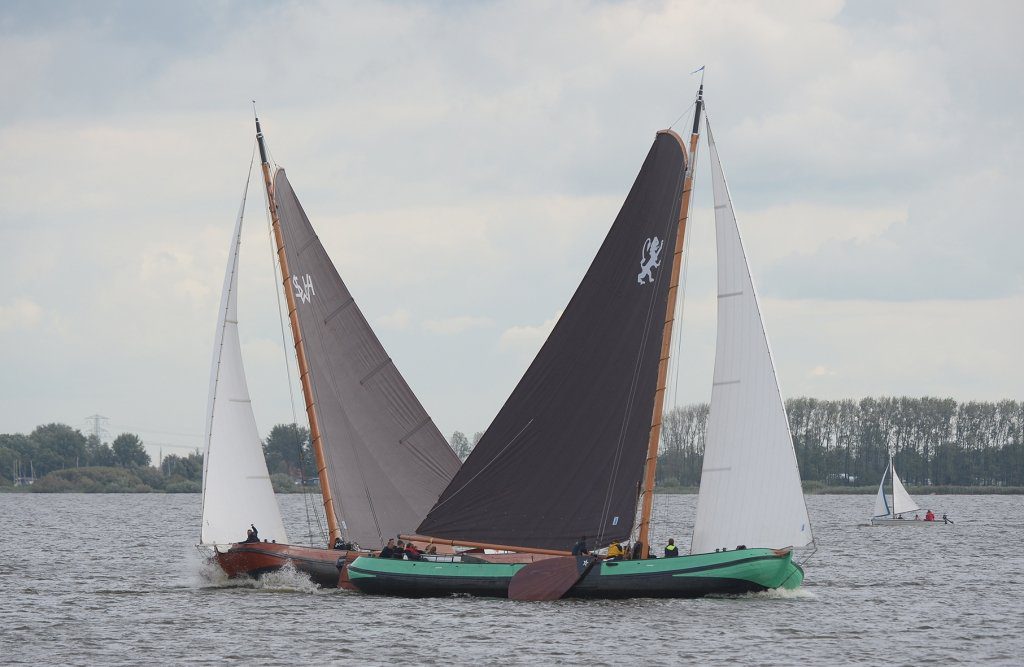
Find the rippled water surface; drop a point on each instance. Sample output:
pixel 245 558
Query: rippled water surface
pixel 99 579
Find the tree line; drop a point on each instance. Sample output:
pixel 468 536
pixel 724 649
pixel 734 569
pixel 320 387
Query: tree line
pixel 59 457
pixel 847 443
pixel 933 441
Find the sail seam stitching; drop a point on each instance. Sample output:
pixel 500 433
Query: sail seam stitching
pixel 340 308
pixel 375 370
pixel 414 431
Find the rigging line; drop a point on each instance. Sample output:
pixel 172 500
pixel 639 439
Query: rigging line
pixel 636 373
pixel 274 265
pixel 318 321
pixel 278 286
pixel 674 360
pixel 681 299
pixel 208 427
pixel 479 472
pixel 686 111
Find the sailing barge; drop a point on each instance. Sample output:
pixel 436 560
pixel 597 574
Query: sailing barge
pixel 573 450
pixel 380 459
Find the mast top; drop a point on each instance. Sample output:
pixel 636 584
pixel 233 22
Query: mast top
pixel 259 136
pixel 700 106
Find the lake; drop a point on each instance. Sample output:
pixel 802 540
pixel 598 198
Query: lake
pixel 116 579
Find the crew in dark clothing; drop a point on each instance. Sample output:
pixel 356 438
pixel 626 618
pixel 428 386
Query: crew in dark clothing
pixel 389 549
pixel 580 548
pixel 411 552
pixel 252 535
pixel 399 550
pixel 671 550
pixel 638 551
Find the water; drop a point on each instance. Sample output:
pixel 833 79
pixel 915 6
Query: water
pixel 114 579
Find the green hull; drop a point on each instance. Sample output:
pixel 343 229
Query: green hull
pixel 731 572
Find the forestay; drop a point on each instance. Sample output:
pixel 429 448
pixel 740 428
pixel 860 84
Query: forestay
pixel 565 454
pixel 750 492
pixel 236 486
pixel 386 461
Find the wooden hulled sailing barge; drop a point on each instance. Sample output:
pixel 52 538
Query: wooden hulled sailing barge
pixel 380 459
pixel 573 451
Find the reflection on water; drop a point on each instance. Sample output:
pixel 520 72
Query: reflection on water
pixel 116 579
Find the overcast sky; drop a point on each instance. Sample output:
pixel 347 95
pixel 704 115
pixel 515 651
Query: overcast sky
pixel 462 162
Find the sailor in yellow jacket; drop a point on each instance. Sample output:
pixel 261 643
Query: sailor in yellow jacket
pixel 615 551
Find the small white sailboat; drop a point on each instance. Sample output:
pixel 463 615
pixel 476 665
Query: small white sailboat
pixel 902 504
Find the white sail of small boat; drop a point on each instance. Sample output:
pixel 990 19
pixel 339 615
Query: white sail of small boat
pixel 881 503
pixel 236 484
pixel 901 500
pixel 750 491
pixel 902 503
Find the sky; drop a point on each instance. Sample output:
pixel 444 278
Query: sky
pixel 462 163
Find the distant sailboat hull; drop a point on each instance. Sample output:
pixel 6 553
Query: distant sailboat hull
pixel 901 523
pixel 725 573
pixel 255 559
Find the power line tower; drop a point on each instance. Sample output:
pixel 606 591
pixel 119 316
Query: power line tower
pixel 97 425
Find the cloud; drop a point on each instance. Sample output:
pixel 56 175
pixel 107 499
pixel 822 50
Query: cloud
pixel 22 313
pixel 527 339
pixel 475 165
pixel 398 319
pixel 447 326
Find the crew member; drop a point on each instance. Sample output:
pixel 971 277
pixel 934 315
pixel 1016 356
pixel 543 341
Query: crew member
pixel 615 551
pixel 580 548
pixel 252 535
pixel 671 550
pixel 389 549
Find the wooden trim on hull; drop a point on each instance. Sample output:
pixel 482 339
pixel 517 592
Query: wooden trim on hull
pixel 254 559
pixel 684 577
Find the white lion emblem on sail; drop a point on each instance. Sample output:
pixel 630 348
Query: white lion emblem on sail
pixel 649 260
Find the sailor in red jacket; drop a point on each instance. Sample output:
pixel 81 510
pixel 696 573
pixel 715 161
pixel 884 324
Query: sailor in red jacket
pixel 929 516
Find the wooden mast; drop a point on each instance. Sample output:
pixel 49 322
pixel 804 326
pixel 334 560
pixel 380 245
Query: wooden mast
pixel 300 348
pixel 651 464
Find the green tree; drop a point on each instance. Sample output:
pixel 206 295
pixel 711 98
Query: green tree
pixel 187 467
pixel 15 449
pixel 98 453
pixel 57 446
pixel 460 444
pixel 287 451
pixel 129 452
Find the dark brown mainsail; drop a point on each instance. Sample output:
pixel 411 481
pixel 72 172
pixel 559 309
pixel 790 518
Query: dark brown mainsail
pixel 386 460
pixel 564 456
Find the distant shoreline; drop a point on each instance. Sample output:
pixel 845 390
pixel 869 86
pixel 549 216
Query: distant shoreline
pixel 810 488
pixel 816 489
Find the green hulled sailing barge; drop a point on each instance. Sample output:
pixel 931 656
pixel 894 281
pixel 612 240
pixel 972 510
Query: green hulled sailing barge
pixel 573 450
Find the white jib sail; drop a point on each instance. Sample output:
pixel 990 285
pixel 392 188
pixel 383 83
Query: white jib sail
pixel 881 504
pixel 236 485
pixel 750 491
pixel 901 500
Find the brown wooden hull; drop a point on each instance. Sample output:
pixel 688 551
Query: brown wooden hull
pixel 254 559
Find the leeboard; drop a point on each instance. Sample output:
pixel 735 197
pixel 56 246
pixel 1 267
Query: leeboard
pixel 549 579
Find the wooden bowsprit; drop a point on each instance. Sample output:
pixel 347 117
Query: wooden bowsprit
pixel 549 579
